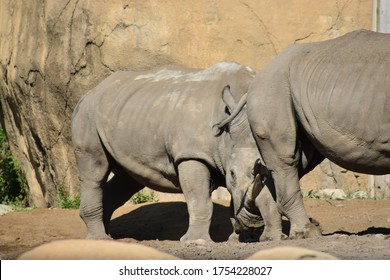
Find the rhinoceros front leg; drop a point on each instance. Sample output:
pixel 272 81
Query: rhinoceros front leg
pixel 268 207
pixel 194 179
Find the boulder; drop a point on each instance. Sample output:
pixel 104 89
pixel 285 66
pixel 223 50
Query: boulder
pixel 5 209
pixel 77 249
pixel 290 253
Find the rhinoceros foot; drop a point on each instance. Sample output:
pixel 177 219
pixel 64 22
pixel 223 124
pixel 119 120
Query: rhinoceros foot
pixel 310 230
pixel 92 236
pixel 196 234
pixel 269 235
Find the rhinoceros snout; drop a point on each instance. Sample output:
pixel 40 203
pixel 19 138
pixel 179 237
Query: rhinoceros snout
pixel 246 220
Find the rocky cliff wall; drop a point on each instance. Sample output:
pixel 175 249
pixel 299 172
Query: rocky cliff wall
pixel 53 52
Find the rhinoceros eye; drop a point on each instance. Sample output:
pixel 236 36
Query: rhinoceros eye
pixel 253 173
pixel 233 175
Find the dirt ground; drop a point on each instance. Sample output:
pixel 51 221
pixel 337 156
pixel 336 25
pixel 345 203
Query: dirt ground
pixel 352 229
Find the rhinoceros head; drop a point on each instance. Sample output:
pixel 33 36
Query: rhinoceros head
pixel 261 198
pixel 248 216
pixel 242 161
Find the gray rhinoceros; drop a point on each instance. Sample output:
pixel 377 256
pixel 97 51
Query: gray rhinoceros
pixel 327 99
pixel 155 129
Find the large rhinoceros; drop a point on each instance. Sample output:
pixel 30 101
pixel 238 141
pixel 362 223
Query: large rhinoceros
pixel 327 99
pixel 155 129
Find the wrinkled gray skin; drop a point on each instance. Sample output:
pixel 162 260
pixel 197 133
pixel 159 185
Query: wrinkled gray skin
pixel 155 129
pixel 328 99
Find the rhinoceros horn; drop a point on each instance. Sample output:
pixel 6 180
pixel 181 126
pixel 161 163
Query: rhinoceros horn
pixel 249 216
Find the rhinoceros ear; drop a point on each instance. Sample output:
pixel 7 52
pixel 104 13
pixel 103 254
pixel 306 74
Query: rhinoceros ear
pixel 227 97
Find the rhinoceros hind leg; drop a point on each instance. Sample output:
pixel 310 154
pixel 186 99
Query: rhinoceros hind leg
pixel 194 179
pixel 281 157
pixel 93 173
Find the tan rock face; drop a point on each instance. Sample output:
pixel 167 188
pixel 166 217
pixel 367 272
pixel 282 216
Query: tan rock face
pixel 330 176
pixel 53 52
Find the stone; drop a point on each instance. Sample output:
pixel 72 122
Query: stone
pixel 359 195
pixel 290 253
pixel 5 209
pixel 220 194
pixel 78 249
pixel 338 194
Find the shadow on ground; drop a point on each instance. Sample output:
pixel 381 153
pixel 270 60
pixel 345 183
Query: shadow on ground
pixel 167 221
pixel 369 231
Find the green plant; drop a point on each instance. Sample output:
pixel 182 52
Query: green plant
pixel 310 194
pixel 143 196
pixel 13 186
pixel 65 201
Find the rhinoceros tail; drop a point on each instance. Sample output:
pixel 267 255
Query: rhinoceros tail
pixel 221 126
